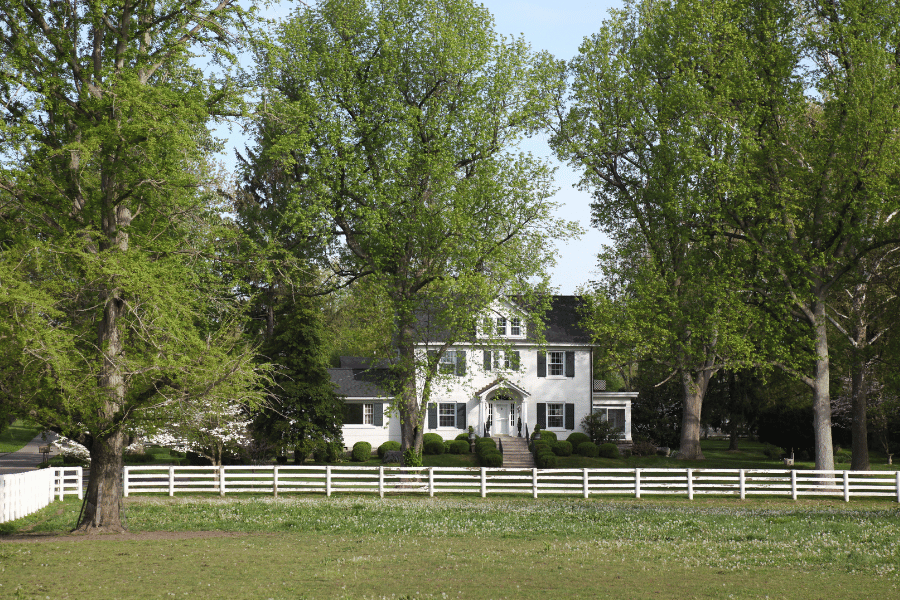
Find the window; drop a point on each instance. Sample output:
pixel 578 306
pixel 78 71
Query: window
pixel 615 417
pixel 448 362
pixel 447 414
pixel 555 416
pixel 501 326
pixel 515 326
pixel 556 363
pixel 359 414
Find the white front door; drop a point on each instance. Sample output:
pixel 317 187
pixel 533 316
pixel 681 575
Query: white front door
pixel 501 418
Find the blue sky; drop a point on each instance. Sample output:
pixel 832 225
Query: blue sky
pixel 557 26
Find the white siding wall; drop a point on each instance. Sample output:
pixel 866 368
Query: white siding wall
pixel 373 434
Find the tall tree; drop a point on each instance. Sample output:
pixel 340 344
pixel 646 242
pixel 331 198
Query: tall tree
pixel 110 304
pixel 641 125
pixel 396 125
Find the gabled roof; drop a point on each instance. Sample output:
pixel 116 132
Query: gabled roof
pixel 361 383
pixel 563 322
pixel 500 383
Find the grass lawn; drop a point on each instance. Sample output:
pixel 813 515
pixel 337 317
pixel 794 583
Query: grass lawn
pixel 17 435
pixel 304 547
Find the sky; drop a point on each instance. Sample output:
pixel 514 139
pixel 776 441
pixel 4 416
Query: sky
pixel 558 26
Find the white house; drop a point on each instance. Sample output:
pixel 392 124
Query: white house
pixel 498 392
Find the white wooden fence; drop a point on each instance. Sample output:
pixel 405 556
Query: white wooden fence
pixel 24 493
pixel 583 482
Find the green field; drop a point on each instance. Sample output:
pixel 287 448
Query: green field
pixel 303 547
pixel 17 435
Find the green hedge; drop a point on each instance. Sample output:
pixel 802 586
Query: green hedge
pixel 547 436
pixel 431 437
pixel 459 447
pixel 491 459
pixel 362 451
pixel 433 447
pixel 387 446
pixel 577 438
pixel 563 448
pixel 545 460
pixel 609 450
pixel 588 449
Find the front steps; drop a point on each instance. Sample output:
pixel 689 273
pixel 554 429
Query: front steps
pixel 515 452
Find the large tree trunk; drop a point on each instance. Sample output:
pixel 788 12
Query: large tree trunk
pixel 103 502
pixel 821 393
pixel 411 430
pixel 694 390
pixel 859 427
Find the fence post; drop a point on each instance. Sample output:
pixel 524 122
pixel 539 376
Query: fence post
pixel 275 481
pixel 62 483
pixel 846 486
pixel 171 481
pixel 328 481
pixel 431 482
pixel 483 482
pixel 637 483
pixel 897 485
pixel 742 483
pixel 793 484
pixel 381 482
pixel 690 484
pixel 534 489
pixel 125 475
pixel 222 480
pixel 585 477
pixel 79 483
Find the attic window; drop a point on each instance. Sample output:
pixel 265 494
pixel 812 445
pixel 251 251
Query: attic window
pixel 515 326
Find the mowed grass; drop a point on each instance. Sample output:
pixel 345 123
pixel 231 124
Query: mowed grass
pixel 365 547
pixel 17 435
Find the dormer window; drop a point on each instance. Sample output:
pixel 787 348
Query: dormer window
pixel 515 326
pixel 501 326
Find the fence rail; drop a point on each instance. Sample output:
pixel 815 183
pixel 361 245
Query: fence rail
pixel 24 493
pixel 583 482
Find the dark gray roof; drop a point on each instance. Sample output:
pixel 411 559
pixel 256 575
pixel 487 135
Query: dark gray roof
pixel 361 383
pixel 563 322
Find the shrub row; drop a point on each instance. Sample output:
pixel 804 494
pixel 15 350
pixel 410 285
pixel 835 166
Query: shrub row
pixel 487 452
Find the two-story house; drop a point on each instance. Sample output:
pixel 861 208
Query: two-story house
pixel 504 391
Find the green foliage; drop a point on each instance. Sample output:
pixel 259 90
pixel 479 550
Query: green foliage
pixel 464 436
pixel 329 452
pixel 546 436
pixel 362 451
pixel 588 449
pixel 491 459
pixel 562 448
pixel 576 437
pixel 387 446
pixel 598 429
pixel 433 447
pixel 343 87
pixel 773 452
pixel 431 437
pixel 545 460
pixel 411 458
pixel 641 446
pixel 459 447
pixel 608 450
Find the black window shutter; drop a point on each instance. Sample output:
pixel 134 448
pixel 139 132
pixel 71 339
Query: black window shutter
pixel 542 363
pixel 460 362
pixel 514 360
pixel 570 416
pixel 487 360
pixel 432 416
pixel 542 415
pixel 461 415
pixel 570 364
pixel 379 414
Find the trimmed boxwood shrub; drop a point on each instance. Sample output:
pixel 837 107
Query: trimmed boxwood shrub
pixel 431 437
pixel 459 447
pixel 547 436
pixel 588 449
pixel 491 459
pixel 540 446
pixel 576 438
pixel 362 451
pixel 433 447
pixel 563 448
pixel 385 447
pixel 328 452
pixel 464 436
pixel 485 443
pixel 546 460
pixel 609 450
